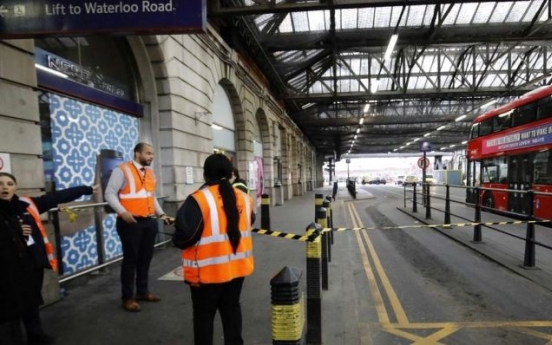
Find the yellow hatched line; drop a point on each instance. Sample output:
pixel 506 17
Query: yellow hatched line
pixel 432 339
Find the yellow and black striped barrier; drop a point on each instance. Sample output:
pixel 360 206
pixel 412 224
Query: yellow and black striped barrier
pixel 311 237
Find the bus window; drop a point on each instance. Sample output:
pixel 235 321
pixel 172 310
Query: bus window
pixel 544 108
pixel 502 121
pixel 486 127
pixel 490 171
pixel 543 168
pixel 525 114
pixel 474 132
pixel 502 163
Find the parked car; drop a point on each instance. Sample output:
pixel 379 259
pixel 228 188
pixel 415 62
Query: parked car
pixel 377 181
pixel 430 179
pixel 410 180
pixel 399 180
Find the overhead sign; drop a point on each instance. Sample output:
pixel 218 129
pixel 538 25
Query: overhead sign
pixel 423 163
pixel 5 162
pixel 30 18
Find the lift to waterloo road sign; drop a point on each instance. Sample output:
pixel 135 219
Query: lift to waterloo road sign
pixel 32 18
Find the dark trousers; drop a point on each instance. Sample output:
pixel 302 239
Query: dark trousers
pixel 10 333
pixel 138 240
pixel 31 317
pixel 206 299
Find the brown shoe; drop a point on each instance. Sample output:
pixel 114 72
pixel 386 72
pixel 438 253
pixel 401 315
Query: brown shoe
pixel 149 297
pixel 131 305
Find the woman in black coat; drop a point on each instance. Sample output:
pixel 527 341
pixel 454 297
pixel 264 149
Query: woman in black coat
pixel 25 228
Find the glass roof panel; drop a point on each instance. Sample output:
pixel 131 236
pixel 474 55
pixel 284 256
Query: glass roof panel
pixel 451 17
pixel 300 21
pixel 531 11
pixel 262 20
pixel 316 21
pixel 467 11
pixel 429 14
pixel 395 15
pixel 484 12
pixel 286 26
pixel 517 12
pixel 501 11
pixel 415 15
pixel 349 18
pixel 365 18
pixel 382 16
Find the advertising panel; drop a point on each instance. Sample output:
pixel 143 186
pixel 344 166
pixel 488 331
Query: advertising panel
pixel 30 18
pixel 536 136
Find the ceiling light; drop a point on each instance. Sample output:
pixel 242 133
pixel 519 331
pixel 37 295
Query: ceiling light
pixel 427 134
pixel 374 86
pixel 451 146
pixel 366 107
pixel 408 143
pixel 443 148
pixel 355 136
pixel 460 118
pixel 52 71
pixel 442 127
pixel 464 142
pixel 402 147
pixel 358 130
pixel 361 121
pixel 416 139
pixel 395 150
pixel 488 104
pixel 217 127
pixel 390 47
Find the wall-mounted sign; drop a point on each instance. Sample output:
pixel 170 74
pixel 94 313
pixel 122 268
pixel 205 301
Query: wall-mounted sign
pixel 5 162
pixel 30 18
pixel 189 175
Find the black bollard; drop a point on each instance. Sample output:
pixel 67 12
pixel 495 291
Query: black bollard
pixel 330 218
pixel 447 205
pixel 318 199
pixel 325 245
pixel 287 307
pixel 427 203
pixel 414 202
pixel 529 259
pixel 327 234
pixel 265 212
pixel 314 302
pixel 477 228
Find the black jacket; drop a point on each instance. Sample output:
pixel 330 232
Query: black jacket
pixel 16 265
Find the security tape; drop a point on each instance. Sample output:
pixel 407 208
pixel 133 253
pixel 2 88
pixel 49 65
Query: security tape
pixel 310 236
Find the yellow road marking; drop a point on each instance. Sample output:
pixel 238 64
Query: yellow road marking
pixel 535 334
pixel 432 339
pixel 393 299
pixel 376 295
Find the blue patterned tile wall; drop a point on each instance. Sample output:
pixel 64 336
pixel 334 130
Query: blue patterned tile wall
pixel 79 131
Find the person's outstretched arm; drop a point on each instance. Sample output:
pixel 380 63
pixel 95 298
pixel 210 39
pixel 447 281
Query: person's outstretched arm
pixel 49 201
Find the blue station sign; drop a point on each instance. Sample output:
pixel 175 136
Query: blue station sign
pixel 32 18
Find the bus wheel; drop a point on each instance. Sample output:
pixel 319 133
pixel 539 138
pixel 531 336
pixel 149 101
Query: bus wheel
pixel 488 200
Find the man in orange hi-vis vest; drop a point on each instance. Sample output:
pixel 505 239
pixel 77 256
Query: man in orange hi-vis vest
pixel 131 193
pixel 213 227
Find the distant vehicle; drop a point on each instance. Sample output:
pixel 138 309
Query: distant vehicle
pixel 365 180
pixel 430 180
pixel 377 181
pixel 410 180
pixel 399 180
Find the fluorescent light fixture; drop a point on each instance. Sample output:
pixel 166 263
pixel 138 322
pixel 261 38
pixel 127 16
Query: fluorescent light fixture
pixel 488 104
pixel 442 127
pixel 390 47
pixel 375 85
pixel 460 118
pixel 427 135
pixel 464 142
pixel 443 148
pixel 402 147
pixel 366 107
pixel 416 139
pixel 308 105
pixel 395 150
pixel 358 130
pixel 451 146
pixel 361 121
pixel 217 127
pixel 408 143
pixel 49 70
pixel 355 136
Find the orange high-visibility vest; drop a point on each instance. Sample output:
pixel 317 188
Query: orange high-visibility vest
pixel 33 211
pixel 212 260
pixel 138 194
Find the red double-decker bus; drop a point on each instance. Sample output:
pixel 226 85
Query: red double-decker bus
pixel 510 148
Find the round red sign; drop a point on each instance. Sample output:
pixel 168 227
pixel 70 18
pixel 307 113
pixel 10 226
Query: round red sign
pixel 423 163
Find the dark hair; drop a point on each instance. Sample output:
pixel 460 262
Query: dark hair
pixel 236 173
pixel 218 169
pixel 9 175
pixel 140 146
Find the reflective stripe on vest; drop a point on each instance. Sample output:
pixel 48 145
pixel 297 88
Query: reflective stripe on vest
pixel 138 194
pixel 49 248
pixel 240 184
pixel 212 259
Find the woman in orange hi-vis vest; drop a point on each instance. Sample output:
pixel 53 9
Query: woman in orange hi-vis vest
pixel 26 211
pixel 213 227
